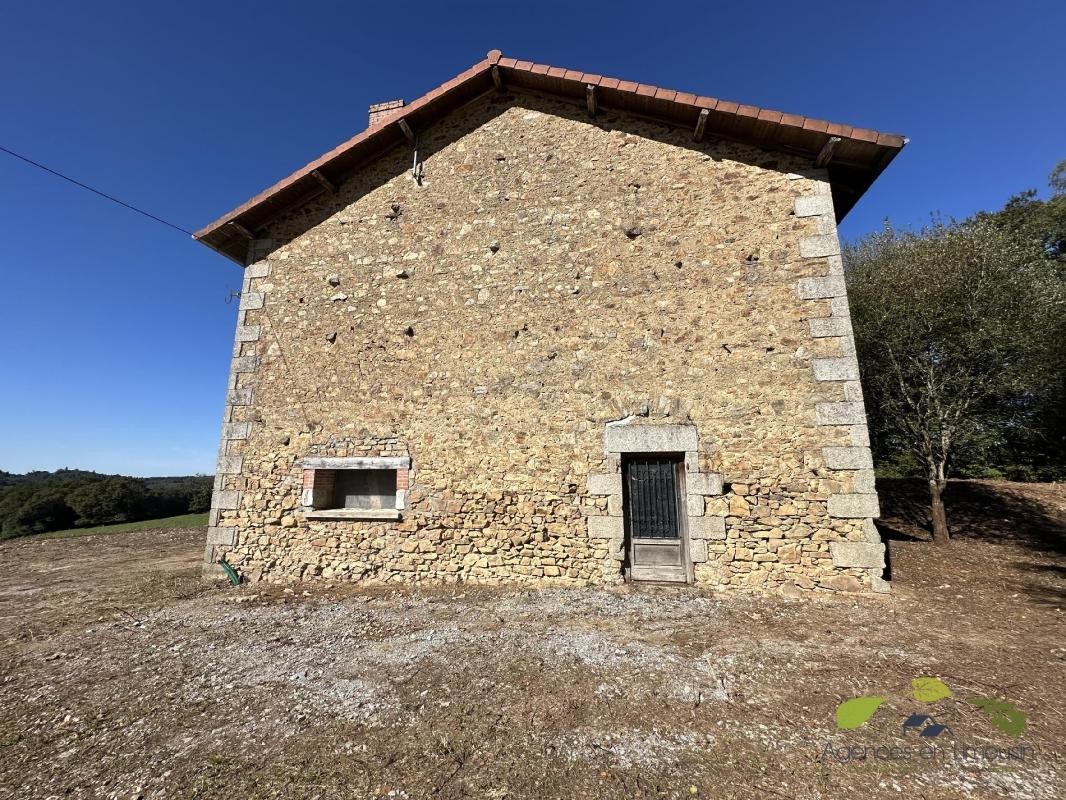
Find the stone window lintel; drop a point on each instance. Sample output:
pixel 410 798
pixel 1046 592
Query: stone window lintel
pixel 353 513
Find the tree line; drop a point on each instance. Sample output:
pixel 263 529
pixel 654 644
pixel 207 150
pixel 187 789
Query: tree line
pixel 960 329
pixel 38 502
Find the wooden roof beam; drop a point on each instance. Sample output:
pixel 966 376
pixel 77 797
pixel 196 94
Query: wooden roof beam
pixel 701 126
pixel 590 99
pixel 410 134
pixel 241 230
pixel 327 184
pixel 826 154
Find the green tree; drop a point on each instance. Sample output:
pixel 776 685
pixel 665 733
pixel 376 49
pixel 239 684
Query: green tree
pixel 1042 222
pixel 34 509
pixel 108 500
pixel 200 496
pixel 956 330
pixel 1057 179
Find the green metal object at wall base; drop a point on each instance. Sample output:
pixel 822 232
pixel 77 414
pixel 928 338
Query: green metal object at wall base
pixel 231 573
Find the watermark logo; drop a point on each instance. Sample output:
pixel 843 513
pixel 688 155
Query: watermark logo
pixel 856 711
pixel 930 739
pixel 928 727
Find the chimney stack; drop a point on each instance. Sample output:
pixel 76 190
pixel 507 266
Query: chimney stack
pixel 379 111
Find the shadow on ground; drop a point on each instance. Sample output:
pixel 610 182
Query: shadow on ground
pixel 1030 517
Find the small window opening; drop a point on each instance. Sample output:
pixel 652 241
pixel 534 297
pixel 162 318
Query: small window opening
pixel 364 488
pixel 355 488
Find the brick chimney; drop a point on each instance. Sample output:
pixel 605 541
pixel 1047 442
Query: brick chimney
pixel 379 111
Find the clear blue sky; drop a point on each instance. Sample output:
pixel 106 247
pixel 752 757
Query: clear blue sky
pixel 116 334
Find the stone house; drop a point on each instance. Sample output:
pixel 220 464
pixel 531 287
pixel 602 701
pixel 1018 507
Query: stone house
pixel 542 325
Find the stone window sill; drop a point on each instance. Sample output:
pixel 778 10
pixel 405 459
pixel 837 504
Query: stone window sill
pixel 353 513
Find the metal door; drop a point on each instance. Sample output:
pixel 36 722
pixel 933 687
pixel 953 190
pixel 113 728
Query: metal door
pixel 653 518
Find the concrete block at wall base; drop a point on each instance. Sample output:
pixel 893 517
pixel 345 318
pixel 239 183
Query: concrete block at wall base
pixel 650 438
pixel 879 584
pixel 705 483
pixel 864 555
pixel 848 457
pixel 601 484
pixel 706 528
pixel 211 571
pixel 853 506
pixel 606 527
pixel 697 550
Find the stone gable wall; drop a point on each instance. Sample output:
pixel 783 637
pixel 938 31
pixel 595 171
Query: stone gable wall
pixel 550 275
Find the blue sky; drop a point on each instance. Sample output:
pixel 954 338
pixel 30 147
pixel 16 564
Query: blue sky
pixel 116 331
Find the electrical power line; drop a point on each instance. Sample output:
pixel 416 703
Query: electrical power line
pixel 95 191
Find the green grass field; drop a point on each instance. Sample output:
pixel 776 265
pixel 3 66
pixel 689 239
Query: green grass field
pixel 183 521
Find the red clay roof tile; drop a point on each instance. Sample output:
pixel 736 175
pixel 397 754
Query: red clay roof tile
pixel 257 211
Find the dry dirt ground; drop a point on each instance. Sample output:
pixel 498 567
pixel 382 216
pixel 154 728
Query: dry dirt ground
pixel 121 675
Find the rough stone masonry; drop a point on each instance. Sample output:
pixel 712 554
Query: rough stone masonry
pixel 555 291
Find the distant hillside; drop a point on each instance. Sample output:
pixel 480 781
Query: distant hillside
pixel 37 502
pixel 39 476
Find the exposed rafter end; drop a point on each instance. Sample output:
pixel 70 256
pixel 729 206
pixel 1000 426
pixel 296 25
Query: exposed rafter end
pixel 826 153
pixel 410 134
pixel 590 99
pixel 327 184
pixel 701 126
pixel 243 231
pixel 497 78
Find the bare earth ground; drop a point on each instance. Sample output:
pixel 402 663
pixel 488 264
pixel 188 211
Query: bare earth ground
pixel 121 675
